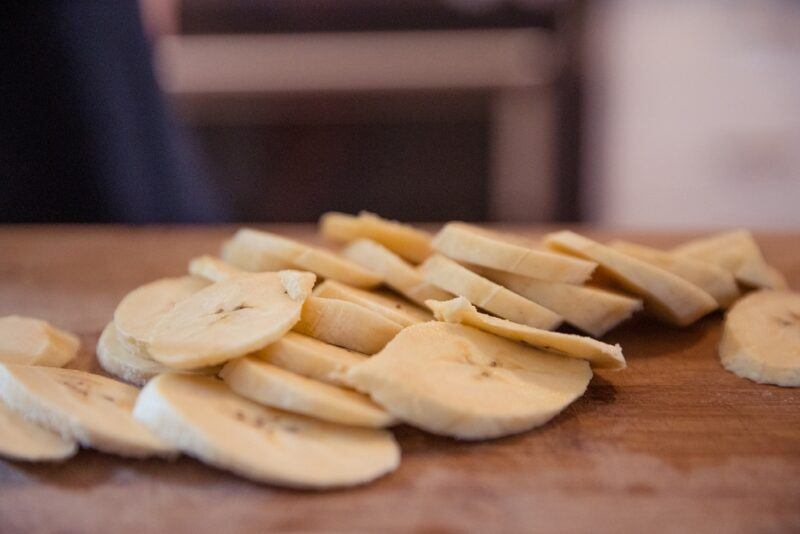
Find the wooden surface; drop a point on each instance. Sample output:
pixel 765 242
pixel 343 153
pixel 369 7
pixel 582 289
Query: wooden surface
pixel 672 444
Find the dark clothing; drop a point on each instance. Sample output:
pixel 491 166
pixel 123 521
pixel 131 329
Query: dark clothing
pixel 84 134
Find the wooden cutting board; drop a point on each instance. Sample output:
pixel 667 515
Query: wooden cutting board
pixel 672 444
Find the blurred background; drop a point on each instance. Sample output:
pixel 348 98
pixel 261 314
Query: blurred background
pixel 627 113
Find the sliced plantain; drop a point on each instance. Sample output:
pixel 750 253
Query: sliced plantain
pixel 591 309
pixel 339 227
pixel 212 269
pixel 459 280
pixel 248 258
pixel 22 440
pixel 93 410
pixel 739 253
pixel 775 279
pixel 761 338
pixel 205 419
pixel 345 324
pixel 466 243
pixel 457 381
pixel 393 308
pixel 129 362
pixel 404 240
pixel 230 319
pixel 272 386
pixel 301 256
pixel 25 340
pixel 311 357
pixel 396 272
pixel 598 354
pixel 712 279
pixel 667 296
pixel 139 311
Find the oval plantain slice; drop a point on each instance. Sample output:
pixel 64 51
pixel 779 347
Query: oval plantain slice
pixel 272 386
pixel 301 256
pixel 761 338
pixel 345 324
pixel 339 227
pixel 397 273
pixel 466 243
pixel 91 409
pixel 492 297
pixel 205 419
pixel 591 309
pixel 129 362
pixel 393 308
pixel 457 381
pixel 667 296
pixel 599 354
pixel 22 440
pixel 251 259
pixel 404 240
pixel 141 309
pixel 739 253
pixel 30 341
pixel 714 280
pixel 311 357
pixel 230 319
pixel 212 269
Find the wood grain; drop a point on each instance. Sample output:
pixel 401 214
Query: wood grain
pixel 672 444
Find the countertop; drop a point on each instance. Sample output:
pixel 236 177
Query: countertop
pixel 674 443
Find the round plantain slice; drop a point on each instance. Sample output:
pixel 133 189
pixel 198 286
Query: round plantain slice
pixel 272 386
pixel 230 319
pixel 141 309
pixel 600 355
pixel 205 419
pixel 457 381
pixel 345 324
pixel 129 362
pixel 91 409
pixel 761 338
pixel 22 440
pixel 311 357
pixel 30 341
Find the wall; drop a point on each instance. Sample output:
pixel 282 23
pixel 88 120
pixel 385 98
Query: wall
pixel 693 114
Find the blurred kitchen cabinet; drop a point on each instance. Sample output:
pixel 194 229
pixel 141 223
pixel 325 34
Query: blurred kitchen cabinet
pixel 427 125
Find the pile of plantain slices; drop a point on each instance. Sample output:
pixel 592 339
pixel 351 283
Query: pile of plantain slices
pixel 287 363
